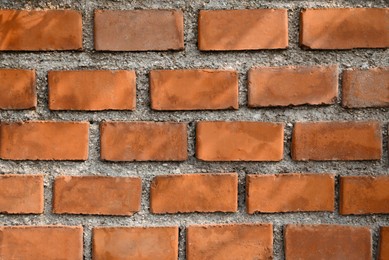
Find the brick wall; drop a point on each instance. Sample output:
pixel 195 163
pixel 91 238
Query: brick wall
pixel 194 129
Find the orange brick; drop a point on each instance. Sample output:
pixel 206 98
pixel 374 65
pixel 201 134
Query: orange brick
pixel 24 30
pixel 384 244
pixel 143 141
pixel 193 89
pixel 223 30
pixel 41 242
pixel 21 194
pixel 327 242
pixel 324 141
pixel 97 195
pixel 139 30
pixel 366 88
pixel 194 193
pixel 344 28
pixel 17 89
pixel 239 141
pixel 135 243
pixel 92 90
pixel 290 193
pixel 234 241
pixel 364 195
pixel 284 86
pixel 44 140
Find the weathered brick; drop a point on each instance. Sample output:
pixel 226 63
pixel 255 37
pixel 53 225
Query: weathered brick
pixel 364 194
pixel 143 141
pixel 344 28
pixel 21 194
pixel 135 243
pixel 384 244
pixel 327 242
pixel 193 89
pixel 97 195
pixel 17 89
pixel 298 85
pixel 25 30
pixel 139 30
pixel 41 242
pixel 44 140
pixel 365 88
pixel 223 30
pixel 233 241
pixel 323 141
pixel 290 193
pixel 194 193
pixel 92 90
pixel 239 141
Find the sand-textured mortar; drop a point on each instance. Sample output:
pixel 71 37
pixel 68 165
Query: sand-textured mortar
pixel 191 57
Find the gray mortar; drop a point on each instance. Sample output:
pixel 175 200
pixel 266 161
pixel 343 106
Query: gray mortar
pixel 191 57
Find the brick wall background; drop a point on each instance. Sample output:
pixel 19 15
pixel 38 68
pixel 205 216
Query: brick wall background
pixel 348 149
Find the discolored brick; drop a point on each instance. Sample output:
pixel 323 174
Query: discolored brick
pixel 383 253
pixel 193 89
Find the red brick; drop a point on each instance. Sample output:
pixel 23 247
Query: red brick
pixel 24 30
pixel 17 89
pixel 139 30
pixel 234 241
pixel 193 89
pixel 324 141
pixel 366 88
pixel 327 242
pixel 92 90
pixel 239 141
pixel 344 28
pixel 284 86
pixel 290 192
pixel 143 141
pixel 41 242
pixel 21 194
pixel 97 195
pixel 223 30
pixel 384 244
pixel 135 243
pixel 44 140
pixel 364 195
pixel 194 193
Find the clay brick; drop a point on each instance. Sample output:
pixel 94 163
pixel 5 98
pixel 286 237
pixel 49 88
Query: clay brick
pixel 21 194
pixel 194 193
pixel 193 89
pixel 290 193
pixel 139 30
pixel 44 140
pixel 364 195
pixel 135 243
pixel 233 241
pixel 344 28
pixel 239 141
pixel 384 244
pixel 97 195
pixel 324 141
pixel 49 30
pixel 223 30
pixel 92 90
pixel 41 242
pixel 366 88
pixel 284 86
pixel 327 242
pixel 17 89
pixel 143 141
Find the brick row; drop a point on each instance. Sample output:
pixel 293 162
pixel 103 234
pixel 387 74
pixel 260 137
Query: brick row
pixel 220 241
pixel 218 30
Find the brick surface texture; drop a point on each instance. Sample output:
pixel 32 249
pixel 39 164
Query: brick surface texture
pixel 195 130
